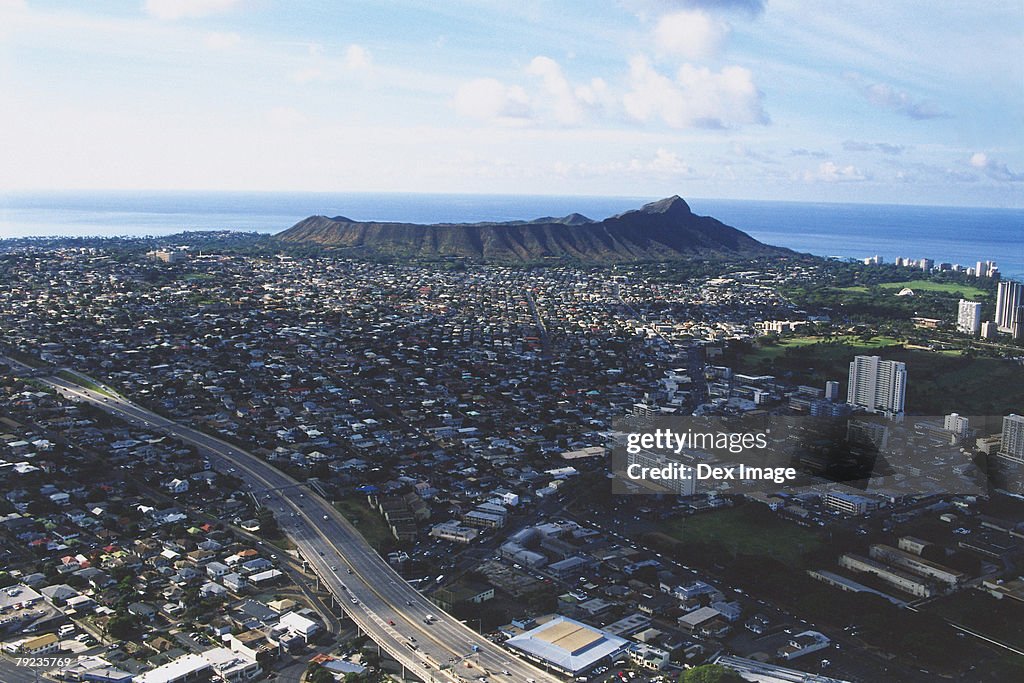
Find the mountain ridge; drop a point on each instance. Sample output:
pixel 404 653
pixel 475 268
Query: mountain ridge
pixel 663 230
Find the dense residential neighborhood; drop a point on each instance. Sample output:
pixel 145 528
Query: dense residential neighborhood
pixel 464 418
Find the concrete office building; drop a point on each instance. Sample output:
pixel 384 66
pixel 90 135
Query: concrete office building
pixel 878 385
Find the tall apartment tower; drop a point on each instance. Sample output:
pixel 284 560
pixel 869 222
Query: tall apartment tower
pixel 956 423
pixel 968 319
pixel 1009 305
pixel 831 391
pixel 877 385
pixel 1012 447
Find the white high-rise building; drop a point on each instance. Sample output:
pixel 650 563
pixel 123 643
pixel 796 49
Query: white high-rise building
pixel 968 319
pixel 1013 438
pixel 831 391
pixel 877 385
pixel 1010 307
pixel 957 424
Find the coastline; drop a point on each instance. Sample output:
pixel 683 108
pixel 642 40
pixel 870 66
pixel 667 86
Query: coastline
pixel 961 235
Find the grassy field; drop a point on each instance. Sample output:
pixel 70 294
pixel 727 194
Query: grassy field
pixel 746 530
pixel 844 345
pixel 370 524
pixel 929 286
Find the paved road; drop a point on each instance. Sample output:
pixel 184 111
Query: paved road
pixel 384 606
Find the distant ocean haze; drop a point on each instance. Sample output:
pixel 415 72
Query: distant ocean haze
pixel 962 235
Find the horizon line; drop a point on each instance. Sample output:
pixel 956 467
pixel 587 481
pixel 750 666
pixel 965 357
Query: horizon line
pixel 644 198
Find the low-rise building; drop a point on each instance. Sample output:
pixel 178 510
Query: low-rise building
pixel 648 656
pixel 803 643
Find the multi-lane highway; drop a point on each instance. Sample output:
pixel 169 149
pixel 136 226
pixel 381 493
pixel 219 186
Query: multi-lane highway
pixel 395 615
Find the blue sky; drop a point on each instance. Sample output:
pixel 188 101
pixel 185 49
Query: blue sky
pixel 895 102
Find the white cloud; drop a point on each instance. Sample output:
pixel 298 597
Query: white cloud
pixel 490 99
pixel 696 98
pixel 831 172
pixel 219 40
pixel 994 169
pixel 171 10
pixel 357 58
pixel 668 162
pixel 691 34
pixel 883 147
pixel 888 97
pixel 565 103
pixel 663 164
pixel 595 93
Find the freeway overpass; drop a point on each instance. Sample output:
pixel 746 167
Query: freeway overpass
pixel 378 600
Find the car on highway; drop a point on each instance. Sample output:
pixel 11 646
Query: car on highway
pixel 391 622
pixel 354 601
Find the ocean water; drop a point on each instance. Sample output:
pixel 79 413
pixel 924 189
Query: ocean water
pixel 945 234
